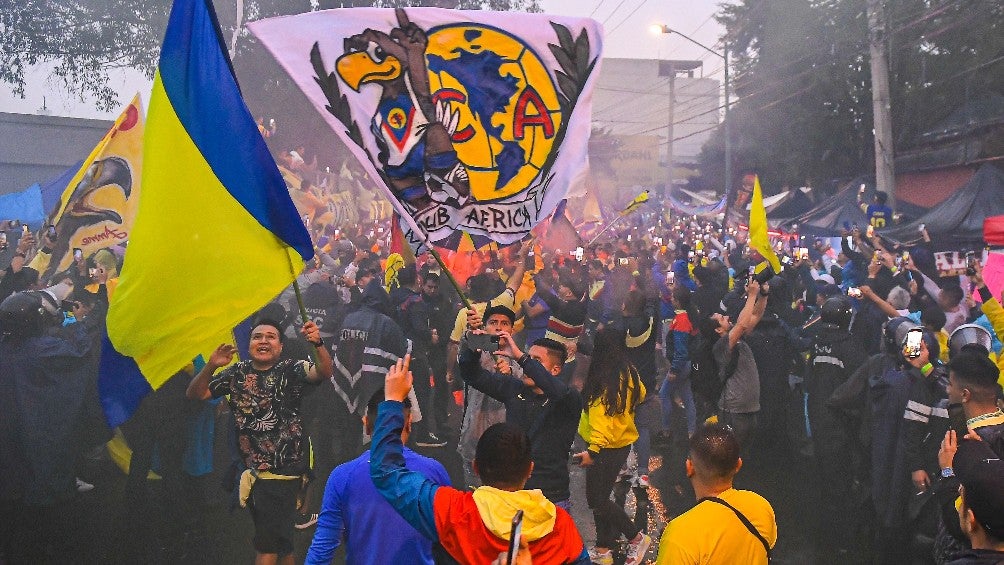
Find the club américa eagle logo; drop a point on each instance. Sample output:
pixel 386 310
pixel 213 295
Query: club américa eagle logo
pixel 465 111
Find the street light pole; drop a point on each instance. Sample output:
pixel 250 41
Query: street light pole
pixel 724 55
pixel 728 129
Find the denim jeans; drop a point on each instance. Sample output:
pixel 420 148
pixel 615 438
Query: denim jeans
pixel 679 387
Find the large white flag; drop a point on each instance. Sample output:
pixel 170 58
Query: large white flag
pixel 469 120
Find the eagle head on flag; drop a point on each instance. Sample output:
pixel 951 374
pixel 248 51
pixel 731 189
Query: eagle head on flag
pixel 470 121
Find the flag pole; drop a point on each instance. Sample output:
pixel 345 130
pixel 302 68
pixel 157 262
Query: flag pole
pixel 303 309
pixel 424 240
pixel 631 207
pixel 609 225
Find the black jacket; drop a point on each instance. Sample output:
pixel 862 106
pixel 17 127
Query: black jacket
pixel 365 347
pixel 550 419
pixel 979 557
pixel 834 356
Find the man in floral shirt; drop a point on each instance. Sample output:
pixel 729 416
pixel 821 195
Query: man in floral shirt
pixel 265 397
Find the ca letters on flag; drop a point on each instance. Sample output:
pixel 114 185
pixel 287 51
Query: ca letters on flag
pixel 469 120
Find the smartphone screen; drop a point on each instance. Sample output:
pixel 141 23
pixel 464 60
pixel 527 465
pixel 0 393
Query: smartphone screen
pixel 78 254
pixel 514 536
pixel 913 340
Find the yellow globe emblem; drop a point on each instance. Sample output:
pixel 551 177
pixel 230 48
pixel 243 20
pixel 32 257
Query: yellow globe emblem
pixel 509 114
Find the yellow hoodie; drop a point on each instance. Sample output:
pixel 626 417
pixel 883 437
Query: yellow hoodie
pixel 608 432
pixel 497 508
pixel 995 313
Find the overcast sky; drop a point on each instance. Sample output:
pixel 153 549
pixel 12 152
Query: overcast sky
pixel 627 24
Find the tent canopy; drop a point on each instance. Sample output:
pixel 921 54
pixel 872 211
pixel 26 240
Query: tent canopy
pixel 959 219
pixel 795 203
pixel 829 217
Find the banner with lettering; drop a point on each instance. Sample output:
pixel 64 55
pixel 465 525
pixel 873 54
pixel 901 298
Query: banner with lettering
pixel 98 206
pixel 470 121
pixel 954 263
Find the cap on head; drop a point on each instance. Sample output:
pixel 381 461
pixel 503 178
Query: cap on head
pixel 499 309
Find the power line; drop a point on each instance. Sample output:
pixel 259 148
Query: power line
pixel 628 17
pixel 611 14
pixel 591 14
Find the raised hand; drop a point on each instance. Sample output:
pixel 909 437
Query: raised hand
pixel 222 356
pixel 399 380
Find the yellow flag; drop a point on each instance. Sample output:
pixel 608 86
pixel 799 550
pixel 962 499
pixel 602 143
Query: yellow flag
pixel 394 264
pixel 758 228
pixel 636 203
pixel 97 208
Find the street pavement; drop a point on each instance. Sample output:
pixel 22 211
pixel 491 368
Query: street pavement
pixel 102 527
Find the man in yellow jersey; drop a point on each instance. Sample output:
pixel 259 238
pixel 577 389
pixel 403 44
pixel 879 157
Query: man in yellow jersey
pixel 727 526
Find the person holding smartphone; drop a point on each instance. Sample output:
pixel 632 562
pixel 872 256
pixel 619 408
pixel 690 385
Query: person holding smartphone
pixel 538 401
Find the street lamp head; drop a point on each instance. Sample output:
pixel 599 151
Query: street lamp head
pixel 659 29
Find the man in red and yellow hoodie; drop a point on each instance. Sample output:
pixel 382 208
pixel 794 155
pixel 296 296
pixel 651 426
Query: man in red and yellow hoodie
pixel 472 527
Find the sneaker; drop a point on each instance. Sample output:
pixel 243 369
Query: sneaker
pixel 304 521
pixel 606 558
pixel 643 481
pixel 430 440
pixel 636 550
pixel 84 486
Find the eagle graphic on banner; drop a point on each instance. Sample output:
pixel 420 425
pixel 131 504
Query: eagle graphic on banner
pixel 470 121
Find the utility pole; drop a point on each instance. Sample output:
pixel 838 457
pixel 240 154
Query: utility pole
pixel 671 69
pixel 885 177
pixel 669 130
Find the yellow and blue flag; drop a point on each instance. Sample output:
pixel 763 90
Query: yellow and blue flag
pixel 759 240
pixel 216 235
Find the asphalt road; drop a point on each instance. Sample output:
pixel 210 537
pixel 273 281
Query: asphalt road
pixel 102 527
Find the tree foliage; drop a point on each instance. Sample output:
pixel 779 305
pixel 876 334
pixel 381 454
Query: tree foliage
pixel 801 75
pixel 84 40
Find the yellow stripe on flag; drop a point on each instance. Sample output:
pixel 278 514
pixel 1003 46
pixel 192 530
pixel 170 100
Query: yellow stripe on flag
pixel 198 262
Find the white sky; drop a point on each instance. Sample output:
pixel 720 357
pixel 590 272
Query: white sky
pixel 627 24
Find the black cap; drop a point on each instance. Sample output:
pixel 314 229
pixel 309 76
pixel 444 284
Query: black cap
pixel 499 309
pixel 981 473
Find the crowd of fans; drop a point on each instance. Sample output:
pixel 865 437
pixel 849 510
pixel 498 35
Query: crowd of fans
pixel 857 357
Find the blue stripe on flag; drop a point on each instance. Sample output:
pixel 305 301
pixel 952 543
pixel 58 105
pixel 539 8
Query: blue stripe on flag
pixel 198 79
pixel 121 385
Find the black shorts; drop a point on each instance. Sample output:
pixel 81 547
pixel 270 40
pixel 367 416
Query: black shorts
pixel 273 508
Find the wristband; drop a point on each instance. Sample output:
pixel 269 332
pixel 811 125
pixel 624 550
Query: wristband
pixel 985 293
pixel 523 360
pixel 947 472
pixel 320 342
pixel 927 368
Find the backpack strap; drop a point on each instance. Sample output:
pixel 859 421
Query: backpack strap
pixel 746 522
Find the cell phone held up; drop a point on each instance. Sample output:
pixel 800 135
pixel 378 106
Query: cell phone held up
pixel 515 533
pixel 914 339
pixel 482 342
pixel 971 264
